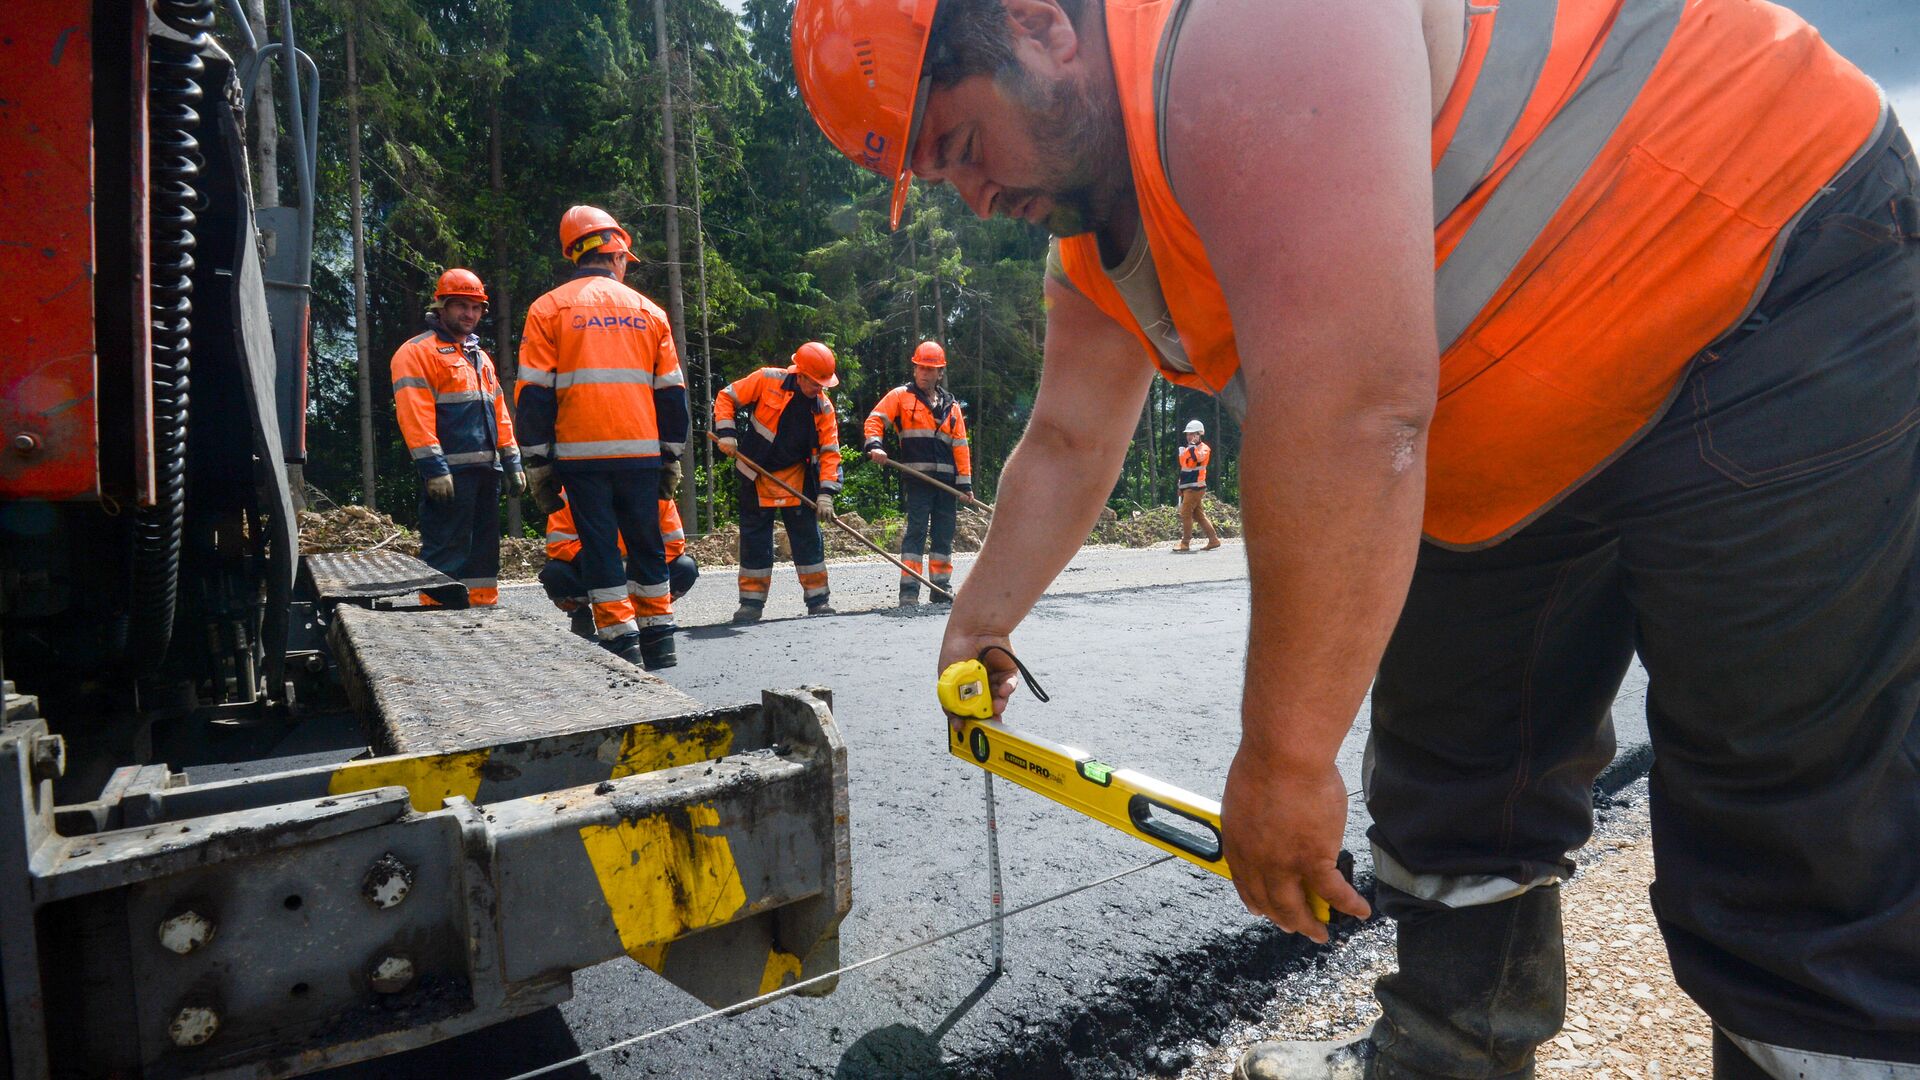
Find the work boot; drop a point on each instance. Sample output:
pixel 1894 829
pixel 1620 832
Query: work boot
pixel 942 597
pixel 821 608
pixel 747 613
pixel 1343 1060
pixel 656 648
pixel 626 647
pixel 580 621
pixel 909 597
pixel 1477 990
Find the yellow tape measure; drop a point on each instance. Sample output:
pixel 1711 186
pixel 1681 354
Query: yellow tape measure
pixel 1172 819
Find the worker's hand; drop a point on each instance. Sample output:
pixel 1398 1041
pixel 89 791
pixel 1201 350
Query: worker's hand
pixel 1282 829
pixel 729 444
pixel 878 455
pixel 440 488
pixel 825 505
pixel 1002 677
pixel 516 482
pixel 545 488
pixel 670 475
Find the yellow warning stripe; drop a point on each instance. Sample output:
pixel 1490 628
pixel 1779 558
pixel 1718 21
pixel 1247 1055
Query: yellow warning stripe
pixel 665 877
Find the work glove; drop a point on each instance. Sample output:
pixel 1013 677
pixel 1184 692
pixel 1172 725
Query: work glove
pixel 545 488
pixel 877 454
pixel 825 505
pixel 440 488
pixel 670 474
pixel 516 482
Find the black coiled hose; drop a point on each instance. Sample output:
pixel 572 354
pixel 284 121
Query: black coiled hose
pixel 172 118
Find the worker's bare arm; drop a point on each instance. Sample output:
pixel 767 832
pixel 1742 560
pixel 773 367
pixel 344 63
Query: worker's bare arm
pixel 1320 233
pixel 1050 494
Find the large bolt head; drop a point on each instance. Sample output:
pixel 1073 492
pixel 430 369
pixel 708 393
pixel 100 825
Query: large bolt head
pixel 49 758
pixel 186 932
pixel 392 974
pixel 193 1025
pixel 387 883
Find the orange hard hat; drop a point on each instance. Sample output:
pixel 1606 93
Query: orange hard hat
pixel 589 228
pixel 859 66
pixel 460 281
pixel 815 361
pixel 930 354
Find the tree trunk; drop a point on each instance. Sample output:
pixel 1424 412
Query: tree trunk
pixel 363 364
pixel 706 328
pixel 939 308
pixel 506 356
pixel 266 140
pixel 676 300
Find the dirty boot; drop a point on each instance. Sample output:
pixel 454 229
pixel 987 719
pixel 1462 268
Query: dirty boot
pixel 1343 1060
pixel 821 608
pixel 626 647
pixel 747 613
pixel 656 648
pixel 1478 988
pixel 909 597
pixel 580 621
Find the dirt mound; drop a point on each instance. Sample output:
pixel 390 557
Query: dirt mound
pixel 356 528
pixel 1161 524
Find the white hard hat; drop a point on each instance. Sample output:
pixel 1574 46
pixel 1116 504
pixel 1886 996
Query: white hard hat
pixel 1195 425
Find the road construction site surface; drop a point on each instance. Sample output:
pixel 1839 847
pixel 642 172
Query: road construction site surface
pixel 1142 652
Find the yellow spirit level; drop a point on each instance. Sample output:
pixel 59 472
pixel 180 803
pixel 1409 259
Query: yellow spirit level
pixel 1172 819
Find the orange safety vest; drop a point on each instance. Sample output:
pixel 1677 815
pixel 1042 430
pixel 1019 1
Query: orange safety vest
pixel 599 376
pixel 933 438
pixel 1614 181
pixel 563 539
pixel 763 397
pixel 450 408
pixel 1193 465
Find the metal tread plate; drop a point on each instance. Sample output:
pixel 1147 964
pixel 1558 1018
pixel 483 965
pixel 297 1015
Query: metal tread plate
pixel 362 577
pixel 436 680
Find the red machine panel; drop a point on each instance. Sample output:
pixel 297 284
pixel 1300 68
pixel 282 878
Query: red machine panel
pixel 49 446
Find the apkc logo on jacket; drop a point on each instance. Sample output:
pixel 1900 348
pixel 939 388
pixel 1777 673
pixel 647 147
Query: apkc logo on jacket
pixel 610 322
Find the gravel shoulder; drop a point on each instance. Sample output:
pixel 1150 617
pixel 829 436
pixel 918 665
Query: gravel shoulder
pixel 1626 1018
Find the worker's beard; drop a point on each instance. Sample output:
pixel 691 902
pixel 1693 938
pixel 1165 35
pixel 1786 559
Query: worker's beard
pixel 1083 151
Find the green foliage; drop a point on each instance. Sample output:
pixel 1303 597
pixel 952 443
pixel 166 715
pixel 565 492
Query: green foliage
pixel 796 243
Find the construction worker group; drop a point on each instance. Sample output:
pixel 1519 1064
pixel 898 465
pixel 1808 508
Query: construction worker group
pixel 599 434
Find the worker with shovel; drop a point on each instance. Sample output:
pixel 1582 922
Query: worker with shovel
pixel 783 419
pixel 933 444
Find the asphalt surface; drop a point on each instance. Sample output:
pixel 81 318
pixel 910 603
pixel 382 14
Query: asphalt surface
pixel 1144 673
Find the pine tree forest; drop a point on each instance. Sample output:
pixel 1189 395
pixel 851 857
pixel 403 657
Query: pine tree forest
pixel 467 126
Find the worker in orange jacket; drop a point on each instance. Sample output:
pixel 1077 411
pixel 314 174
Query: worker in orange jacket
pixel 453 416
pixel 603 414
pixel 933 440
pixel 1556 330
pixel 783 419
pixel 1191 458
pixel 568 590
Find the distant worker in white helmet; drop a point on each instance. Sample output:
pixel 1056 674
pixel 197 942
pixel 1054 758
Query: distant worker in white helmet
pixel 1193 457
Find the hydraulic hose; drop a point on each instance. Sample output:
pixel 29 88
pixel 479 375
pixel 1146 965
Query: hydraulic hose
pixel 173 116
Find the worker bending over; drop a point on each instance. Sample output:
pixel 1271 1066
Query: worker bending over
pixel 603 409
pixel 1557 330
pixel 568 590
pixel 933 442
pixel 1192 458
pixel 453 416
pixel 783 419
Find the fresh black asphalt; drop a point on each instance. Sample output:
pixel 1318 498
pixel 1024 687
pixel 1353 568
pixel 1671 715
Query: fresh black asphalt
pixel 1097 984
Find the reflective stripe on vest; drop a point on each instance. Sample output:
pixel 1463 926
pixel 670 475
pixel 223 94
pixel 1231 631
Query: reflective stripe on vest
pixel 1613 183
